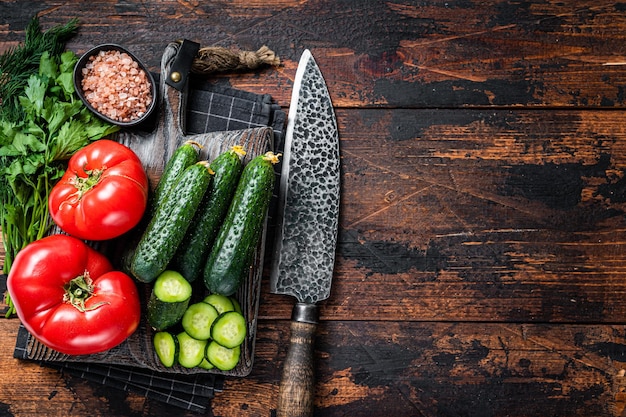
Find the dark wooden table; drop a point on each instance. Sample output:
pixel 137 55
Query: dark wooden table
pixel 481 265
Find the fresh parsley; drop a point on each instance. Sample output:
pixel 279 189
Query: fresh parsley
pixel 18 63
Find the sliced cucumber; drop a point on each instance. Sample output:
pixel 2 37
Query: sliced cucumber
pixel 229 329
pixel 222 357
pixel 205 364
pixel 236 305
pixel 191 351
pixel 198 319
pixel 166 348
pixel 221 303
pixel 169 300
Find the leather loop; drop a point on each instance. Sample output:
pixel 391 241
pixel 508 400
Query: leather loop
pixel 181 67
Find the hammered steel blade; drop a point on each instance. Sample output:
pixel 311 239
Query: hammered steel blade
pixel 308 208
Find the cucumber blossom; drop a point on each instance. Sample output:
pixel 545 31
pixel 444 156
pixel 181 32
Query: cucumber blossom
pixel 233 252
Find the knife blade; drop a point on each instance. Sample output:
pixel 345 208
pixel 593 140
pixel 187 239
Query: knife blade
pixel 306 227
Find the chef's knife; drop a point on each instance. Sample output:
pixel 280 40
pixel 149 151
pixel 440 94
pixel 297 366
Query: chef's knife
pixel 306 227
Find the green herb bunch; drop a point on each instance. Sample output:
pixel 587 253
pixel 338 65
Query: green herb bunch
pixel 34 149
pixel 17 64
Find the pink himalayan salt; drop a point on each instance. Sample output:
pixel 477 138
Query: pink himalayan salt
pixel 115 85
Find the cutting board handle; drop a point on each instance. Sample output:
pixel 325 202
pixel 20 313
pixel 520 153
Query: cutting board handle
pixel 297 388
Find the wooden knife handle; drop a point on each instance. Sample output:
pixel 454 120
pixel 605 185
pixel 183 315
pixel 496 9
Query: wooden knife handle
pixel 297 388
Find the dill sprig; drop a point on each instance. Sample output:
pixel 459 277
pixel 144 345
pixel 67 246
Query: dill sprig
pixel 17 64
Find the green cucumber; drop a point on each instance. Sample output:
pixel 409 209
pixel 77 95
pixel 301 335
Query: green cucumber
pixel 232 254
pixel 182 158
pixel 222 357
pixel 168 300
pixel 185 156
pixel 166 348
pixel 193 250
pixel 221 303
pixel 198 319
pixel 172 218
pixel 190 351
pixel 229 329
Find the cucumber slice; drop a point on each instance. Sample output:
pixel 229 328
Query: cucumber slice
pixel 236 304
pixel 166 348
pixel 229 329
pixel 221 303
pixel 205 364
pixel 222 357
pixel 168 301
pixel 198 319
pixel 172 287
pixel 191 351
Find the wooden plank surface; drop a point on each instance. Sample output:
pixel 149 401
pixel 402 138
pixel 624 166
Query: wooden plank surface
pixel 407 54
pixel 481 257
pixel 365 368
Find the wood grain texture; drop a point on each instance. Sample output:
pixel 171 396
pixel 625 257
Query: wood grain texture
pixel 395 54
pixel 474 215
pixel 365 368
pixel 296 394
pixel 481 257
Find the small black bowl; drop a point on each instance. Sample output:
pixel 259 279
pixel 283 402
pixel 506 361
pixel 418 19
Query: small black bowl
pixel 78 75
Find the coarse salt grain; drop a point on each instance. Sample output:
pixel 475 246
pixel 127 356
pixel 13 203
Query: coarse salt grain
pixel 106 85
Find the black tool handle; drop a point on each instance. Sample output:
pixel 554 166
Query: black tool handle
pixel 296 395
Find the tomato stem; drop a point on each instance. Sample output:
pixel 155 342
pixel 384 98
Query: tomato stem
pixel 84 184
pixel 78 291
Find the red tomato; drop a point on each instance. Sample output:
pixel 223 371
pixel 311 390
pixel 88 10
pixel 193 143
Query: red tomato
pixel 103 194
pixel 69 297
